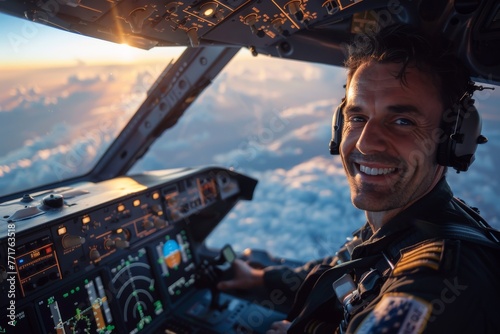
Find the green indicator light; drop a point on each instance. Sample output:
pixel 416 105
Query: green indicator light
pixel 65 295
pixel 72 291
pixel 77 288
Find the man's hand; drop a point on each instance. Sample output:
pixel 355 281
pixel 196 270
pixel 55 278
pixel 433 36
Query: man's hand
pixel 279 327
pixel 245 277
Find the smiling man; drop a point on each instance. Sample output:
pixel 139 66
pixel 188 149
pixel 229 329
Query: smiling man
pixel 385 122
pixel 424 261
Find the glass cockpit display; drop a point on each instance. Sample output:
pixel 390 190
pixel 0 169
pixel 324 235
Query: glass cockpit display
pixel 82 307
pixel 175 261
pixel 136 291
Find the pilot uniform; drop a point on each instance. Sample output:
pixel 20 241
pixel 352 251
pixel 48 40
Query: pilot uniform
pixel 430 269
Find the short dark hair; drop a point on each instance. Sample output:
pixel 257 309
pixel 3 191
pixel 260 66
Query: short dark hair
pixel 404 44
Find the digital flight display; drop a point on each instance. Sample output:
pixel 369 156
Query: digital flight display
pixel 82 307
pixel 175 262
pixel 136 291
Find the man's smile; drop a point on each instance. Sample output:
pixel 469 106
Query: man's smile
pixel 375 171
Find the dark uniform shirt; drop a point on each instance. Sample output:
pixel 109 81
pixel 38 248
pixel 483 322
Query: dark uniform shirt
pixel 415 278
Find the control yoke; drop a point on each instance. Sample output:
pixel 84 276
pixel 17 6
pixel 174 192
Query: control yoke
pixel 210 272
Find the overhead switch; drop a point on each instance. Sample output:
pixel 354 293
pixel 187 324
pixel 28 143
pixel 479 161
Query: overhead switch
pixel 251 20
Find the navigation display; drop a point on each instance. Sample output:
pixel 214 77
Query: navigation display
pixel 136 291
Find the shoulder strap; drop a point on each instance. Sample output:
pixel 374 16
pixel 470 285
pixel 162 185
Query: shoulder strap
pixel 319 291
pixel 482 236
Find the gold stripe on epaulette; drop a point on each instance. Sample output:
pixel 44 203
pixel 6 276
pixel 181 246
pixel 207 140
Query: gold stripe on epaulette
pixel 426 255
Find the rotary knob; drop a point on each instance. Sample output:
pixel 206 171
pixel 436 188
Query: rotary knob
pixel 159 223
pixel 116 243
pixel 148 224
pixel 53 201
pixel 69 241
pixel 121 244
pixel 94 254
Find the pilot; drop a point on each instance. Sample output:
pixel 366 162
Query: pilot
pixel 424 261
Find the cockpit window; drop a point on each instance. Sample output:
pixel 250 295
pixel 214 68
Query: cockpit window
pixel 62 104
pixel 271 119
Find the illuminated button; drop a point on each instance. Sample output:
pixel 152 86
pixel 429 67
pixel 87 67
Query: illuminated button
pixel 137 202
pixel 85 220
pixel 156 195
pixel 61 230
pixel 120 208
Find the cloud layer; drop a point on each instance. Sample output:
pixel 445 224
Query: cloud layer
pixel 57 128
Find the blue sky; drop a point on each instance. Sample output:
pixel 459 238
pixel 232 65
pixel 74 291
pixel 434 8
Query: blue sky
pixel 25 43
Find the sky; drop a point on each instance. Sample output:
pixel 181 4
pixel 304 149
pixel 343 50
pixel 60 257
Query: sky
pixel 269 119
pixel 20 38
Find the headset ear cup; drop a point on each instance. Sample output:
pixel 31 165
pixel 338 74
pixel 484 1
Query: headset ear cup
pixel 337 124
pixel 469 136
pixel 445 146
pixel 461 135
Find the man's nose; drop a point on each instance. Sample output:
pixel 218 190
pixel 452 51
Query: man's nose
pixel 373 138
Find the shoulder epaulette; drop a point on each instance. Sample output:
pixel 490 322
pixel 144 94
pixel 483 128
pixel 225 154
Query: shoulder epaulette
pixel 434 255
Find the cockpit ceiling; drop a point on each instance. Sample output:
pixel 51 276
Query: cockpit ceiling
pixel 311 30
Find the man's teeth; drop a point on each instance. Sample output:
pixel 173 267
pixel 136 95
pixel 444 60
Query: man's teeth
pixel 376 171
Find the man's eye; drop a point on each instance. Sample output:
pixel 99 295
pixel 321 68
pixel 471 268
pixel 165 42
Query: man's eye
pixel 356 119
pixel 404 121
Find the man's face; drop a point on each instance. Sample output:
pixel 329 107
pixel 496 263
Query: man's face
pixel 388 147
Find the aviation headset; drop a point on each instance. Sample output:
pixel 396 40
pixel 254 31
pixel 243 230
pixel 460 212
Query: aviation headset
pixel 460 128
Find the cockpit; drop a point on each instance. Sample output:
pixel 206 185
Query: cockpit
pixel 131 177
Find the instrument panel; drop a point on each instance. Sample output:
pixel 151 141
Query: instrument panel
pixel 307 30
pixel 118 256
